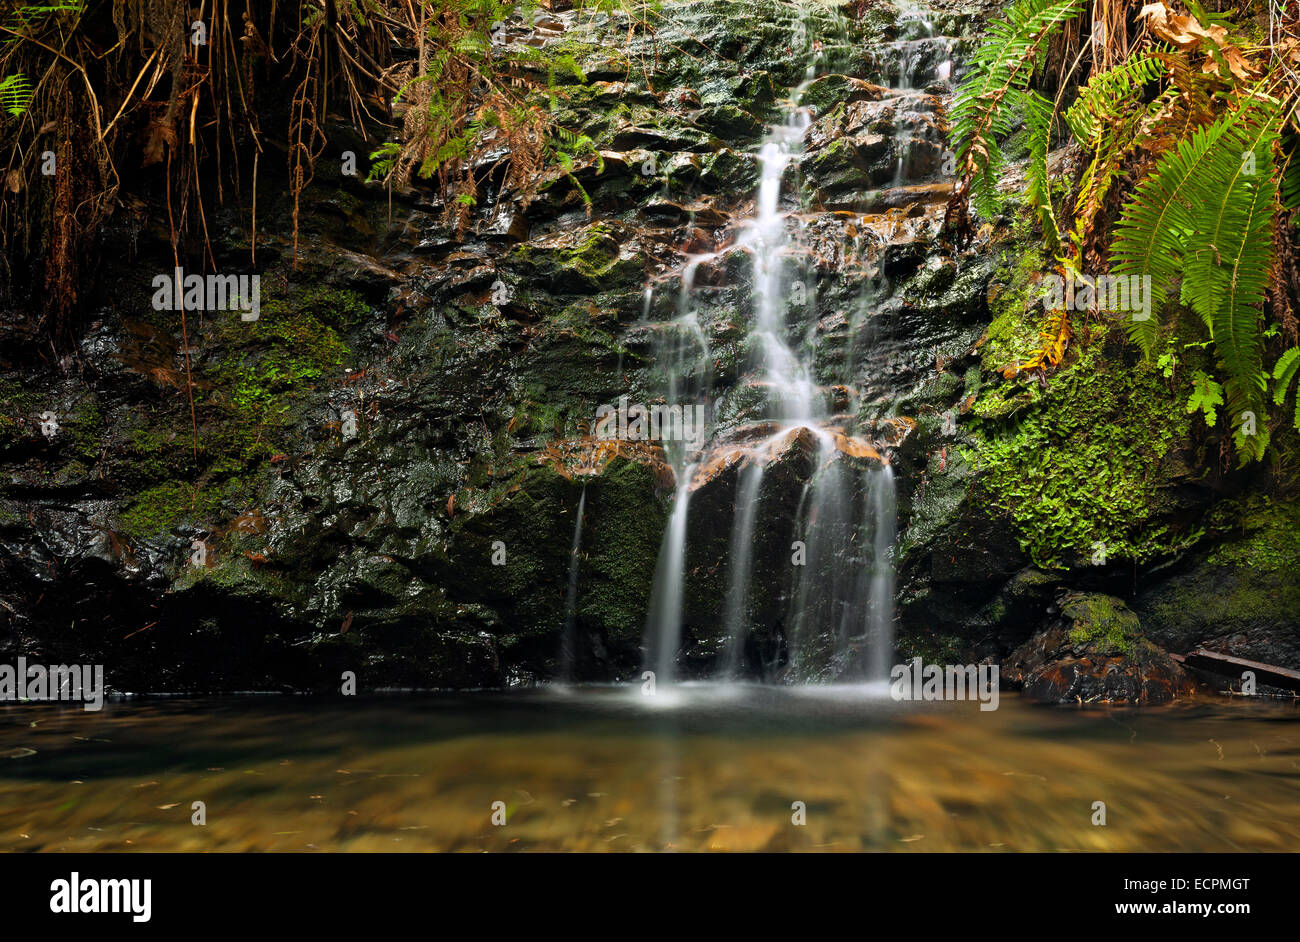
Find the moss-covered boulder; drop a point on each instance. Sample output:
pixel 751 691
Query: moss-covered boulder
pixel 1094 652
pixel 1242 597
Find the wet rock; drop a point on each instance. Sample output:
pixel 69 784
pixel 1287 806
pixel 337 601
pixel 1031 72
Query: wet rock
pixel 729 122
pixel 699 212
pixel 826 92
pixel 1095 652
pixel 872 143
pixel 1241 597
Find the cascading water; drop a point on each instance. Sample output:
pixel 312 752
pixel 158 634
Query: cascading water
pixel 742 541
pixel 918 45
pixel 664 624
pixel 683 352
pixel 840 601
pixel 568 650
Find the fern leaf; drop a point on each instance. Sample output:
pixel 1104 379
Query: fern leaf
pixel 1230 249
pixel 1106 94
pixel 1002 64
pixel 1284 371
pixel 1150 232
pixel 1038 122
pixel 16 94
pixel 1290 189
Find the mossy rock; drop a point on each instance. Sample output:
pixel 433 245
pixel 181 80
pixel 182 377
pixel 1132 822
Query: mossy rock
pixel 1095 652
pixel 1242 596
pixel 826 92
pixel 1083 468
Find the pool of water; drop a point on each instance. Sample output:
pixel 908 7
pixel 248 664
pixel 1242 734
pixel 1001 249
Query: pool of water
pixel 607 769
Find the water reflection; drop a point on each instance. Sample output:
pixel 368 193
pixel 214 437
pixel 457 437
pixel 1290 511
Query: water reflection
pixel 700 767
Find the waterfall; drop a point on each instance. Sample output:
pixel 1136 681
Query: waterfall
pixel 839 605
pixel 880 609
pixel 664 624
pixel 569 644
pixel 917 33
pixel 735 617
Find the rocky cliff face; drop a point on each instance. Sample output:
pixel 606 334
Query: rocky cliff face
pixel 381 473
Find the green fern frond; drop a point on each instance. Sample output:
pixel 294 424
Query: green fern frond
pixel 1229 251
pixel 1152 227
pixel 16 94
pixel 1290 186
pixel 1116 129
pixel 1284 373
pixel 1206 397
pixel 1106 95
pixel 1038 184
pixel 1003 64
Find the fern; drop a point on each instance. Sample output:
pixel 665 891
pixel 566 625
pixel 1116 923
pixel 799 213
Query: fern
pixel 1105 95
pixel 1230 252
pixel 1284 373
pixel 1108 120
pixel 1207 210
pixel 16 94
pixel 1290 189
pixel 1038 185
pixel 1003 64
pixel 1150 232
pixel 1206 397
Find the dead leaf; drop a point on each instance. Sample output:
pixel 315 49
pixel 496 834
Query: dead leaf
pixel 161 132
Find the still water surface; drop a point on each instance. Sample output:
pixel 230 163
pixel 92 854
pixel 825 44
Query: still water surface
pixel 606 769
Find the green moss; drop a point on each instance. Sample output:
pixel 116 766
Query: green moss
pixel 1102 622
pixel 245 401
pixel 291 345
pixel 1016 305
pixel 587 260
pixel 1080 467
pixel 172 503
pixel 1272 541
pixel 934 648
pixel 535 417
pixel 626 521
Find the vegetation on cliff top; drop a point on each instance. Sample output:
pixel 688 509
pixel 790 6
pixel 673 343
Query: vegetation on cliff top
pixel 1190 176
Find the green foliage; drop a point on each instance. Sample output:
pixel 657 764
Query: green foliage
pixel 1003 65
pixel 474 96
pixel 1102 622
pixel 1290 187
pixel 26 13
pixel 383 159
pixel 1201 217
pixel 1103 98
pixel 1038 121
pixel 16 94
pixel 1107 120
pixel 1284 373
pixel 1149 236
pixel 1082 461
pixel 1206 211
pixel 1206 396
